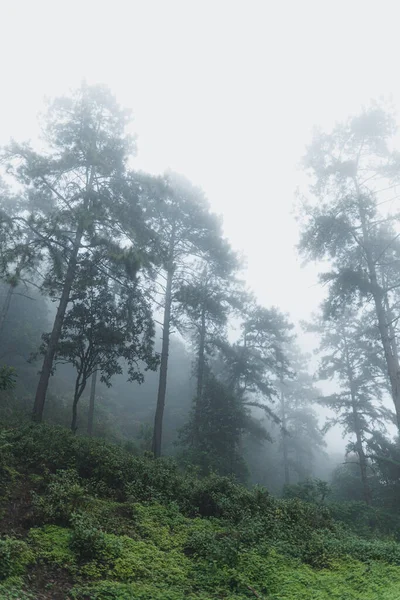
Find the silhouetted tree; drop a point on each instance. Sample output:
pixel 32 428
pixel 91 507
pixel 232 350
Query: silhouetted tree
pixel 350 357
pixel 352 167
pixel 75 197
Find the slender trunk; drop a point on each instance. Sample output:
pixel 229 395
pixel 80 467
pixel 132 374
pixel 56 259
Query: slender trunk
pixel 390 318
pixel 75 406
pixel 10 291
pixel 57 327
pixel 284 440
pixel 162 386
pixel 5 308
pixel 200 372
pixel 91 404
pixel 391 358
pixel 74 414
pixel 201 358
pixel 363 464
pixel 357 429
pixel 80 386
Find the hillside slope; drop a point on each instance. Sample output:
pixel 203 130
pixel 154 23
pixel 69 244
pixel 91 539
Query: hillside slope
pixel 82 519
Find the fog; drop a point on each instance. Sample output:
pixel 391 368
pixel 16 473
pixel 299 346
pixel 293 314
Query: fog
pixel 225 93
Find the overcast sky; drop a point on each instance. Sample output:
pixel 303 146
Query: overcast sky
pixel 225 92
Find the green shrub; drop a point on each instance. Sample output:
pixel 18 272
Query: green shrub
pixel 219 546
pixel 364 520
pixel 15 555
pixel 154 481
pixel 51 545
pixel 14 589
pixel 44 448
pixel 87 540
pixel 64 495
pixel 314 552
pixel 139 560
pixel 164 526
pixel 111 516
pixel 216 496
pixel 112 590
pixel 310 490
pixel 364 550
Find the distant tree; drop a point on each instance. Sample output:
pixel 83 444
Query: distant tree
pixel 7 378
pixel 244 378
pixel 254 363
pixel 104 325
pixel 301 436
pixel 350 357
pixel 187 232
pixel 353 177
pixel 212 436
pixel 19 252
pixel 207 300
pixel 27 318
pixel 131 407
pixel 384 455
pixel 309 490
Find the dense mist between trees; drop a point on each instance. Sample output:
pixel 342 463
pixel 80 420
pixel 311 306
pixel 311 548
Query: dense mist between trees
pixel 199 301
pixel 125 312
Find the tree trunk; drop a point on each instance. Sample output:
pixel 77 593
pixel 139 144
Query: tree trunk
pixel 359 444
pixel 391 358
pixel 57 327
pixel 162 386
pixel 80 385
pixel 392 362
pixel 201 358
pixel 390 317
pixel 360 452
pixel 74 414
pixel 11 287
pixel 284 441
pixel 75 405
pixel 200 373
pixel 91 404
pixel 363 470
pixel 5 307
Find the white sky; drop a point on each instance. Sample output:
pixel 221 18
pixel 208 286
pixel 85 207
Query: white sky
pixel 223 91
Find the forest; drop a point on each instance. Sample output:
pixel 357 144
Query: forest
pixel 162 432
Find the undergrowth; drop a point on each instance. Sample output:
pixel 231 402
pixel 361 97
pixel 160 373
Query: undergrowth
pixel 103 523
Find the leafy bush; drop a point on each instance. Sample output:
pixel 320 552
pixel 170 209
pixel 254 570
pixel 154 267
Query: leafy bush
pixel 51 545
pixel 311 490
pixel 219 546
pixel 364 520
pixel 87 540
pixel 8 377
pixel 64 495
pixel 14 589
pixel 15 555
pixel 135 527
pixel 216 496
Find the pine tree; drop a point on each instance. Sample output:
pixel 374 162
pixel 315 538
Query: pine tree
pixel 257 360
pixel 350 356
pixel 187 233
pixel 301 438
pixel 206 300
pixel 104 325
pixel 76 196
pixel 353 172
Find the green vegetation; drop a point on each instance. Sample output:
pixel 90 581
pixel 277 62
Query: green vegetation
pixel 130 260
pixel 91 520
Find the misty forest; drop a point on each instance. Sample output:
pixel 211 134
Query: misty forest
pixel 164 434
